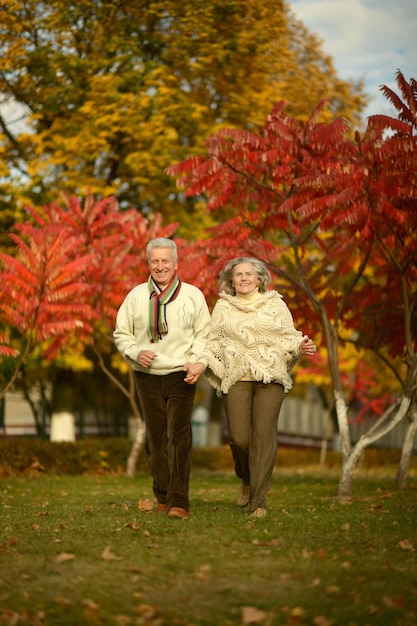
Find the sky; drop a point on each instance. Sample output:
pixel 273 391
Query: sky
pixel 367 39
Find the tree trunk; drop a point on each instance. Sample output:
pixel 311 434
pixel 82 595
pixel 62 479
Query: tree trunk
pixel 342 420
pixel 407 449
pixel 381 427
pixel 136 447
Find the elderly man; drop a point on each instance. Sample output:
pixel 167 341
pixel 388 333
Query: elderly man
pixel 162 325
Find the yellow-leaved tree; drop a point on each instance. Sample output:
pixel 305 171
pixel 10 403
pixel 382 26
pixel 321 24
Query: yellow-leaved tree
pixel 113 92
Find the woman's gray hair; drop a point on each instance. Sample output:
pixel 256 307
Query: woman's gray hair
pixel 162 242
pixel 226 275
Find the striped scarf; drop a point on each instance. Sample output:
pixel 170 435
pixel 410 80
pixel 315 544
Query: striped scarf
pixel 158 301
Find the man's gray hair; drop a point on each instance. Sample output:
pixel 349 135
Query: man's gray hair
pixel 162 242
pixel 226 274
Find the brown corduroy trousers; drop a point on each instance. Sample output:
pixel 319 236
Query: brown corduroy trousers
pixel 252 411
pixel 167 403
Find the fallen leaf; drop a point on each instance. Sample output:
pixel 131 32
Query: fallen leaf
pixel 145 505
pixel 277 542
pixel 252 615
pixel 405 544
pixel 13 541
pixel 91 611
pixel 90 604
pixel 393 603
pixel 321 620
pixel 321 554
pixel 108 555
pixel 201 573
pixel 297 611
pixel 346 526
pixel 147 611
pixel 64 556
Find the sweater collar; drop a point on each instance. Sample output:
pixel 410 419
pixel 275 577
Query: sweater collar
pixel 249 305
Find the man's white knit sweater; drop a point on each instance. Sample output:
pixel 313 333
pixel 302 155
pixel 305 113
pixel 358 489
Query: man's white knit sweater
pixel 251 338
pixel 188 321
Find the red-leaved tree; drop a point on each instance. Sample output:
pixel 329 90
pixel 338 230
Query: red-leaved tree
pixel 314 206
pixel 74 265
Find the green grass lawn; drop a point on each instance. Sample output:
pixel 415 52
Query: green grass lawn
pixel 77 550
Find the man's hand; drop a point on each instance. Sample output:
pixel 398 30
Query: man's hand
pixel 145 357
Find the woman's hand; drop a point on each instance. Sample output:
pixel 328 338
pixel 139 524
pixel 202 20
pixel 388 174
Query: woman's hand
pixel 307 347
pixel 194 371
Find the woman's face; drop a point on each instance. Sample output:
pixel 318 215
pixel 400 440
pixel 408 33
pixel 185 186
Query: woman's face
pixel 245 278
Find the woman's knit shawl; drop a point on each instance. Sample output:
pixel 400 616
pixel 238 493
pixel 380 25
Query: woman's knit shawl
pixel 259 338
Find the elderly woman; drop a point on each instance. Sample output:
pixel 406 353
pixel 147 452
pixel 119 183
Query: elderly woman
pixel 250 352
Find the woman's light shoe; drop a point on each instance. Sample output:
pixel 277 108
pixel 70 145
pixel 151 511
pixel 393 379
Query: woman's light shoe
pixel 259 512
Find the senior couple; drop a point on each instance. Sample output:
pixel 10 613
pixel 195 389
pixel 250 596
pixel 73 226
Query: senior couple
pixel 247 350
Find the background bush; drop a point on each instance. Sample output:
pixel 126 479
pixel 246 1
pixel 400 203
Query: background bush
pixel 30 456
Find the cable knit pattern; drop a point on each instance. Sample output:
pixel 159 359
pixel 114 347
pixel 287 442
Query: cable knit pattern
pixel 257 337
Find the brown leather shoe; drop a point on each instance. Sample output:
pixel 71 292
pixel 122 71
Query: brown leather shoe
pixel 176 512
pixel 161 508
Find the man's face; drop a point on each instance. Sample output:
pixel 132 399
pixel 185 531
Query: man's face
pixel 162 266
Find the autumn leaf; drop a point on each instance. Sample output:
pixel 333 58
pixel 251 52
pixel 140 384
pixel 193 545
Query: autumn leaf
pixel 393 603
pixel 63 557
pixel 252 615
pixel 277 542
pixel 321 620
pixel 108 555
pixel 132 525
pixel 147 612
pixel 201 573
pixel 405 544
pixel 145 505
pixel 13 541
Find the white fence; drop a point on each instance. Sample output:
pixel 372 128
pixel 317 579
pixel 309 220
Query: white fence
pixel 301 422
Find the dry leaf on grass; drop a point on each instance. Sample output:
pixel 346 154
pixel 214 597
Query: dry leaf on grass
pixel 108 555
pixel 145 505
pixel 13 541
pixel 321 620
pixel 405 544
pixel 252 615
pixel 393 603
pixel 64 556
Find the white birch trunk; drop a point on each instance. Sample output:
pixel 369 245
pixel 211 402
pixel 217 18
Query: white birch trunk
pixel 407 450
pixel 136 447
pixel 375 433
